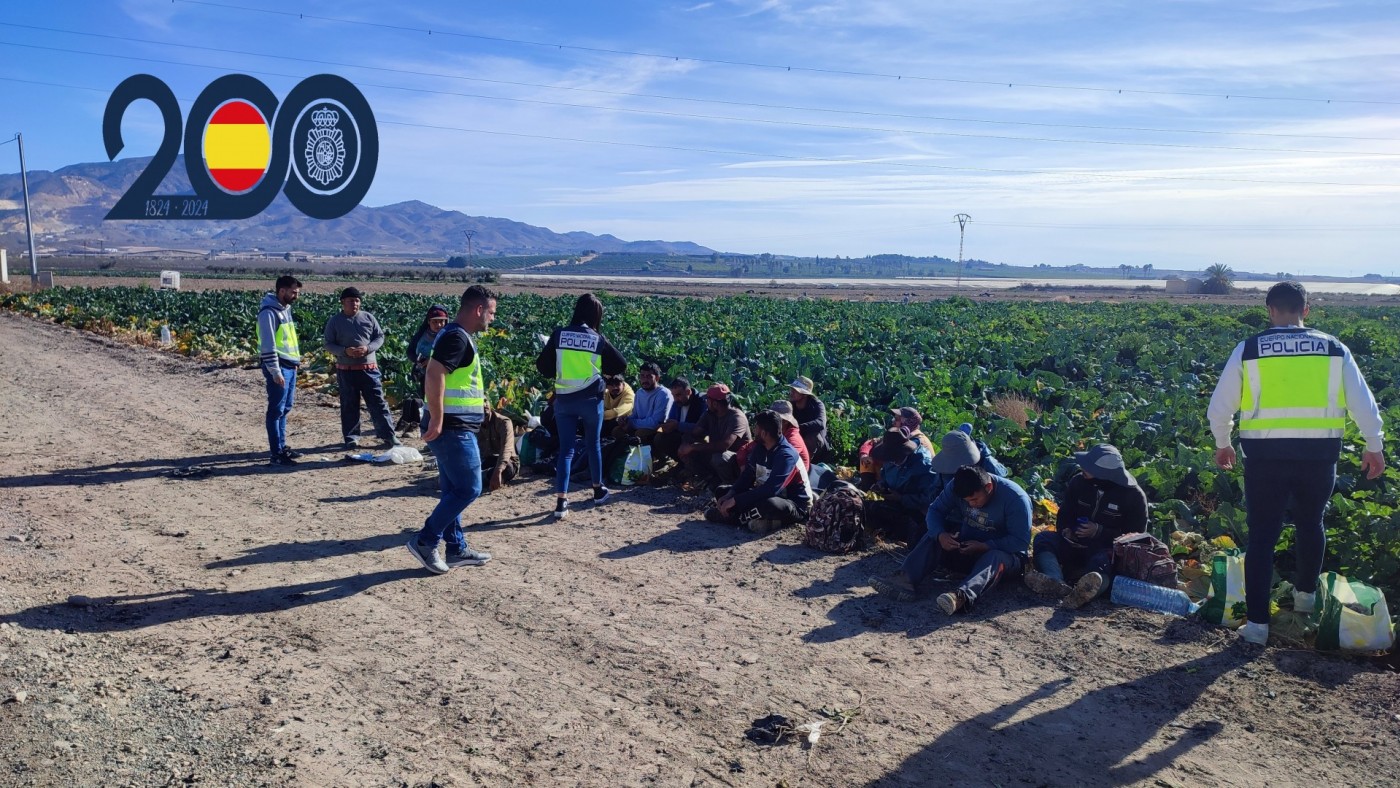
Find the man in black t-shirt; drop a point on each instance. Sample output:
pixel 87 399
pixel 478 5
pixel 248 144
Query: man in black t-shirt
pixel 455 397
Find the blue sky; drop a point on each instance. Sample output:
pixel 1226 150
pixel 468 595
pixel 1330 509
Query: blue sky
pixel 559 115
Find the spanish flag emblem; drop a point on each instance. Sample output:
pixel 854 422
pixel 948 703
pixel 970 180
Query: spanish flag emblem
pixel 237 146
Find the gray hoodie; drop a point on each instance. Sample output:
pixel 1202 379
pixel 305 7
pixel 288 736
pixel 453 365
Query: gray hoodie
pixel 272 314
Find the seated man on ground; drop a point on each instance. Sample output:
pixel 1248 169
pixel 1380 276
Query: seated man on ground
pixel 810 413
pixel 687 406
pixel 907 486
pixel 790 434
pixel 1100 504
pixel 650 408
pixel 773 490
pixel 708 451
pixel 618 399
pixel 496 440
pixel 903 417
pixel 991 542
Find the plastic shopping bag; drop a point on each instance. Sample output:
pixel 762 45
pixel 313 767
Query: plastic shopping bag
pixel 1352 616
pixel 637 469
pixel 1224 604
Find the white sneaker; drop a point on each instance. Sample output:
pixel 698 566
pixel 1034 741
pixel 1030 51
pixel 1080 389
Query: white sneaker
pixel 1304 603
pixel 1258 634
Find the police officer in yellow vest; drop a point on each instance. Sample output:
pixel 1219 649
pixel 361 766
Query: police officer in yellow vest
pixel 578 357
pixel 1293 387
pixel 279 356
pixel 456 400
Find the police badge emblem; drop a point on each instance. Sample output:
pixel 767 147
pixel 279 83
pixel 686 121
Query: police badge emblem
pixel 325 147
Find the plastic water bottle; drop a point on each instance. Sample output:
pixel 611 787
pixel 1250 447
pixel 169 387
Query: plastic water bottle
pixel 165 335
pixel 1128 591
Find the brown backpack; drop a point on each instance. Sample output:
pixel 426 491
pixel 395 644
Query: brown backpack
pixel 837 521
pixel 1144 557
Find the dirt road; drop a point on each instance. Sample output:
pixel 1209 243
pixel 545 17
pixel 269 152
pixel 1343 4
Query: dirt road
pixel 262 626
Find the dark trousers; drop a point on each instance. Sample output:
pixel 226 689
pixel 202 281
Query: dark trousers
pixel 985 571
pixel 780 509
pixel 1060 559
pixel 1269 486
pixel 894 522
pixel 488 464
pixel 664 445
pixel 366 384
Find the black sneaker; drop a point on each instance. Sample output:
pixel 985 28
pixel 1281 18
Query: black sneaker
pixel 601 495
pixel 281 459
pixel 352 443
pixel 291 454
pixel 561 508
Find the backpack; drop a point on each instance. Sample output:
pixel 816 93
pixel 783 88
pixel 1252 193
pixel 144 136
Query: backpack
pixel 837 521
pixel 1143 557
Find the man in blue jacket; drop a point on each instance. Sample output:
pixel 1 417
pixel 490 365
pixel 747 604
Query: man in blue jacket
pixel 907 486
pixel 773 489
pixel 992 538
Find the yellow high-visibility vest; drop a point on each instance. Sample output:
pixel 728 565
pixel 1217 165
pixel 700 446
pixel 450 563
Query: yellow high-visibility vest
pixel 1292 386
pixel 577 361
pixel 284 340
pixel 464 395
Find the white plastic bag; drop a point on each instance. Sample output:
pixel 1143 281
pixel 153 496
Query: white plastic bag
pixel 637 468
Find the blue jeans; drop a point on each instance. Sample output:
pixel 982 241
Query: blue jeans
pixel 1269 485
pixel 355 384
pixel 985 571
pixel 279 404
pixel 567 414
pixel 459 479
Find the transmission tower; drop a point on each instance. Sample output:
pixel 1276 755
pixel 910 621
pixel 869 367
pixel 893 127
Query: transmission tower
pixel 963 219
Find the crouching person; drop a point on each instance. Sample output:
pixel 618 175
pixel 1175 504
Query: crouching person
pixel 1099 505
pixel 991 543
pixel 772 490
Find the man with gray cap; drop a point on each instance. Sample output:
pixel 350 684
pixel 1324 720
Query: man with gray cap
pixel 959 449
pixel 1100 504
pixel 352 336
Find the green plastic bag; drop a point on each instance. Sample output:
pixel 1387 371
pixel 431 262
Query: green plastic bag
pixel 1224 603
pixel 529 453
pixel 1351 616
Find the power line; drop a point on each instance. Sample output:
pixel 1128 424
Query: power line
pixel 599 91
pixel 774 66
pixel 786 157
pixel 732 119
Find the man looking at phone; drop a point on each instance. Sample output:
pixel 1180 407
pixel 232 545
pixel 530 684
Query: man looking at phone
pixel 991 543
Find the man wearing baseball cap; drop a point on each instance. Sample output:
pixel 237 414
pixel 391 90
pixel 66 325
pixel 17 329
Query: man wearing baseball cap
pixel 709 451
pixel 352 336
pixel 810 413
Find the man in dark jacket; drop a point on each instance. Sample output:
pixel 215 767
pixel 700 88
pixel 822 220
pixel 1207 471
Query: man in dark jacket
pixel 772 490
pixel 811 418
pixel 907 487
pixel 1099 505
pixel 687 406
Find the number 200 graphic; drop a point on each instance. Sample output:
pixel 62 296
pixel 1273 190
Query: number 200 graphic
pixel 240 143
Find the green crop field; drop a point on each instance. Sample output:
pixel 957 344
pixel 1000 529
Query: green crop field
pixel 1038 381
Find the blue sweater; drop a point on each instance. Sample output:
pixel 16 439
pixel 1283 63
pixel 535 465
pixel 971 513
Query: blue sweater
pixel 650 408
pixel 1004 523
pixel 914 480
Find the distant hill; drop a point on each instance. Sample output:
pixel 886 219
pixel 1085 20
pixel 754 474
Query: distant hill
pixel 68 205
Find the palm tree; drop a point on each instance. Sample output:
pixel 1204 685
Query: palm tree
pixel 1220 279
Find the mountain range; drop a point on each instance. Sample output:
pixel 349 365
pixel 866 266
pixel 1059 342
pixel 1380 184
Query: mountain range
pixel 68 206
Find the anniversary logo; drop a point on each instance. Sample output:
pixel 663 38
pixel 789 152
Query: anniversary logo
pixel 241 146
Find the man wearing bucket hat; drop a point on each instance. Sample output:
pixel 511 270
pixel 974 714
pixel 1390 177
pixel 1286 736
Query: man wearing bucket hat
pixel 1100 504
pixel 353 335
pixel 959 449
pixel 1294 388
pixel 906 487
pixel 810 413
